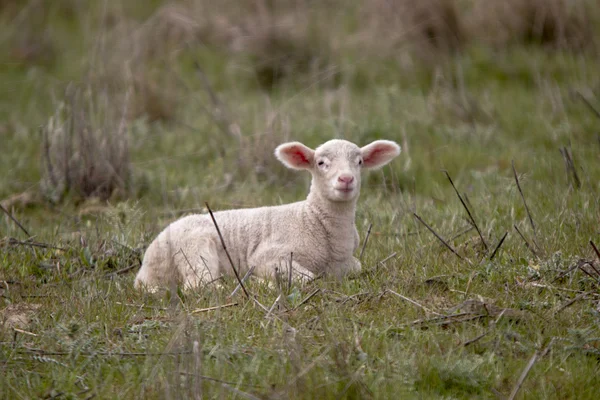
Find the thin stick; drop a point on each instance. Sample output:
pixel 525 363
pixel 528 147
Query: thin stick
pixel 141 306
pixel 200 310
pixel 468 342
pixel 525 240
pixel 248 274
pixel 24 332
pixel 571 302
pixel 438 237
pixel 237 276
pixel 14 220
pixel 13 241
pixel 467 209
pixel 411 301
pixel 273 306
pixel 597 254
pixel 365 242
pixel 570 166
pixel 122 270
pixel 290 270
pixel 588 103
pixel 310 296
pixel 525 372
pixel 498 246
pixel 580 266
pixel 523 198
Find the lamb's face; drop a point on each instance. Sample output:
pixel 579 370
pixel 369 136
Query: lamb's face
pixel 336 170
pixel 336 164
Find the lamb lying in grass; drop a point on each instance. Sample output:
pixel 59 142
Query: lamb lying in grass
pixel 319 231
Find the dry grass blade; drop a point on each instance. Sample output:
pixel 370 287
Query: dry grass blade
pixel 580 266
pixel 200 310
pixel 597 254
pixel 13 241
pixel 310 296
pixel 469 342
pixel 467 209
pixel 569 303
pixel 365 243
pixel 438 237
pixel 248 275
pixel 525 372
pixel 498 246
pixel 588 104
pixel 523 198
pixel 411 301
pixel 529 247
pixel 237 276
pixel 570 166
pixel 14 220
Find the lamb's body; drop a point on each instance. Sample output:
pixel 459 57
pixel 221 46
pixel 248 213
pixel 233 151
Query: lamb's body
pixel 316 240
pixel 319 232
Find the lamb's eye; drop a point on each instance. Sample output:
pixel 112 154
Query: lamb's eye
pixel 320 163
pixel 359 162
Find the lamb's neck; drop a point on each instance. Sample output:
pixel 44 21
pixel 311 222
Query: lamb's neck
pixel 332 214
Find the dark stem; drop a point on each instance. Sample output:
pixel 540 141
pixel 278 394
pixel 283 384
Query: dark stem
pixel 14 220
pixel 237 276
pixel 365 242
pixel 467 209
pixel 498 246
pixel 438 236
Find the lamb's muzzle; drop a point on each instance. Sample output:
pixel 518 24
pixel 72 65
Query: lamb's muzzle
pixel 319 231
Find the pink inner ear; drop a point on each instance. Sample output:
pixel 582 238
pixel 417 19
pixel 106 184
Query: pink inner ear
pixel 297 156
pixel 377 155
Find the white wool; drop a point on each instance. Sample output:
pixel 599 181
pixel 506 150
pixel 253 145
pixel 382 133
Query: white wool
pixel 319 231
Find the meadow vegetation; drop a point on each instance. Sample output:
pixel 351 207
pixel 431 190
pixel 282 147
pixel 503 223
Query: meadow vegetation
pixel 480 276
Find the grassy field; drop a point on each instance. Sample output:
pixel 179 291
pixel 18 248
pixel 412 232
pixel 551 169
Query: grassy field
pixel 117 119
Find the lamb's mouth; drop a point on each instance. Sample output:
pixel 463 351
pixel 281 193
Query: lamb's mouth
pixel 345 190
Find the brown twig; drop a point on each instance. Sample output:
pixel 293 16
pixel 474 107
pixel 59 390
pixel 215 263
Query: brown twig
pixel 290 270
pixel 530 364
pixel 525 240
pixel 411 301
pixel 498 246
pixel 580 266
pixel 237 276
pixel 142 306
pixel 571 302
pixel 310 296
pixel 588 103
pixel 122 270
pixel 244 279
pixel 13 241
pixel 469 342
pixel 597 254
pixel 438 237
pixel 523 198
pixel 200 310
pixel 14 220
pixel 365 242
pixel 467 209
pixel 570 166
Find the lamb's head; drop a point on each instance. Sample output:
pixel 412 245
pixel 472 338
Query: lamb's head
pixel 336 164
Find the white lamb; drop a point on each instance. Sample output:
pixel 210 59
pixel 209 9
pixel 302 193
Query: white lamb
pixel 319 231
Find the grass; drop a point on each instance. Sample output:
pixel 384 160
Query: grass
pixel 422 324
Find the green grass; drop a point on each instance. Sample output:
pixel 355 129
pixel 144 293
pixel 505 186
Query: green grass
pixel 85 332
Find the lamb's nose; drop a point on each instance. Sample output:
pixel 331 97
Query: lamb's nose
pixel 347 179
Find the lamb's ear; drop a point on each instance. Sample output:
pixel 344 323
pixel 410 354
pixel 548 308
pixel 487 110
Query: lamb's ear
pixel 295 155
pixel 379 153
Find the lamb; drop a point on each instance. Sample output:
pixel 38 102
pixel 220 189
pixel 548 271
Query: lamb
pixel 319 231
